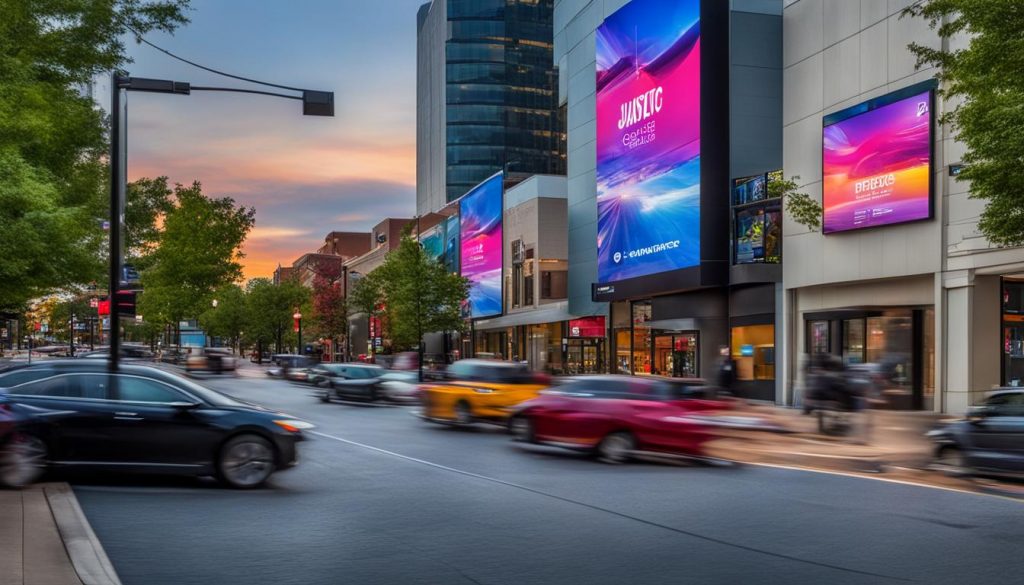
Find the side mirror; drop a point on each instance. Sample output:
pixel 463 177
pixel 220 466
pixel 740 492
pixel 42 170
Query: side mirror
pixel 184 405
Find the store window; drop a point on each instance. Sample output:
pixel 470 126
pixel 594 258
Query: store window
pixel 641 355
pixel 554 284
pixel 753 350
pixel 757 220
pixel 853 341
pixel 1013 333
pixel 622 343
pixel 817 335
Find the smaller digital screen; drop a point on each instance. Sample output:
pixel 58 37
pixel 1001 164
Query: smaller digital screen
pixel 451 243
pixel 877 165
pixel 432 241
pixel 749 190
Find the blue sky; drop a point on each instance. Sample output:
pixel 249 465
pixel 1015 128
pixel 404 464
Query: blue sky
pixel 304 175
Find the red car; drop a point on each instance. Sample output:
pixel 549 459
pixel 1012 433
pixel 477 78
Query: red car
pixel 617 417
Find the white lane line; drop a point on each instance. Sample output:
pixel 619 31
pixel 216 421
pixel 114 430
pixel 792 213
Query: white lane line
pixel 606 510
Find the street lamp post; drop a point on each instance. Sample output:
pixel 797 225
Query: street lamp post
pixel 71 337
pixel 314 103
pixel 298 328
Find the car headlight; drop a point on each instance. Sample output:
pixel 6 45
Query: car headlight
pixel 293 426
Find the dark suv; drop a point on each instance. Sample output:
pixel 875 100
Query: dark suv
pixel 989 440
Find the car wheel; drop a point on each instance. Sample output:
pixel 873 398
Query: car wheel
pixel 22 461
pixel 463 413
pixel 952 462
pixel 616 447
pixel 246 461
pixel 521 428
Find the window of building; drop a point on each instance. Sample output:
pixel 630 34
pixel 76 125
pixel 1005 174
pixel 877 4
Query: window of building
pixel 757 221
pixel 817 337
pixel 554 284
pixel 753 350
pixel 853 341
pixel 528 296
pixel 641 354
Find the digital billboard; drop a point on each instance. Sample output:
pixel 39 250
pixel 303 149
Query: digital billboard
pixel 432 241
pixel 451 243
pixel 480 246
pixel 648 139
pixel 876 164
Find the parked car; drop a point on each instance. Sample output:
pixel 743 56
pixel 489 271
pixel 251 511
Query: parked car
pixel 477 390
pixel 142 418
pixel 347 380
pixel 290 366
pixel 617 417
pixel 988 441
pixel 214 360
pixel 255 357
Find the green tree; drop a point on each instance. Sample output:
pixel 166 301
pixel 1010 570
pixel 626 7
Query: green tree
pixel 229 317
pixel 269 308
pixel 52 137
pixel 366 297
pixel 147 203
pixel 328 303
pixel 420 296
pixel 981 80
pixel 800 206
pixel 198 251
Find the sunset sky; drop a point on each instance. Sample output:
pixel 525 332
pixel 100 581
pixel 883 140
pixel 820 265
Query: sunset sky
pixel 304 175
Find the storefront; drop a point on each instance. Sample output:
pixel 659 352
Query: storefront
pixel 1013 332
pixel 674 335
pixel 537 337
pixel 898 340
pixel 585 346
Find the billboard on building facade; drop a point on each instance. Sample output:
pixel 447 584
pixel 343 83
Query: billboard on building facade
pixel 876 163
pixel 451 243
pixel 648 139
pixel 432 241
pixel 480 244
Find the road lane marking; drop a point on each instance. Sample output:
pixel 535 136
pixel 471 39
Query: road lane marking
pixel 602 509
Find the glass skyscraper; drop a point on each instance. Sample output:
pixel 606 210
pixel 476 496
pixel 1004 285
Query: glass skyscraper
pixel 485 68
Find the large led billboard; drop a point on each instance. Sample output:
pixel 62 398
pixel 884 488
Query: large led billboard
pixel 876 163
pixel 648 139
pixel 480 246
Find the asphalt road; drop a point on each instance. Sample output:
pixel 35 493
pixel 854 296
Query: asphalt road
pixel 382 497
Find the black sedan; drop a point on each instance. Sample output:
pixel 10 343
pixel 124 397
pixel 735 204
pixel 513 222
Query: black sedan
pixel 989 440
pixel 146 419
pixel 348 380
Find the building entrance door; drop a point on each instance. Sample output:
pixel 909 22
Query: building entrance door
pixel 676 354
pixel 585 356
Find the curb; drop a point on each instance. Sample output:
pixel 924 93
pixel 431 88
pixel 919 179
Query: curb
pixel 83 548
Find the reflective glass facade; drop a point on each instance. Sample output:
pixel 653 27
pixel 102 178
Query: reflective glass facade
pixel 500 92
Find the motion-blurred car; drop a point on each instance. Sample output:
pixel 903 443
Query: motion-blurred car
pixel 988 441
pixel 256 357
pixel 128 352
pixel 337 381
pixel 213 360
pixel 290 367
pixel 146 419
pixel 399 386
pixel 478 390
pixel 21 454
pixel 617 417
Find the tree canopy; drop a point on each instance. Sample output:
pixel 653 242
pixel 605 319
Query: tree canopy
pixel 981 79
pixel 52 137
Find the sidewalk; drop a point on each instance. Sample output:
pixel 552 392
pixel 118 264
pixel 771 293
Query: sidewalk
pixel 896 449
pixel 46 540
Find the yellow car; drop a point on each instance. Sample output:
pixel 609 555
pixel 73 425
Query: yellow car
pixel 480 390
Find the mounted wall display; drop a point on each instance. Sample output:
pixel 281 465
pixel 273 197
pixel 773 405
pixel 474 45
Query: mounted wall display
pixel 480 244
pixel 877 161
pixel 649 139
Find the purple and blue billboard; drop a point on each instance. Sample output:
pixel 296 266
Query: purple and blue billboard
pixel 648 139
pixel 876 165
pixel 481 246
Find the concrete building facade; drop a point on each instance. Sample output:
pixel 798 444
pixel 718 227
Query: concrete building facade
pixel 932 297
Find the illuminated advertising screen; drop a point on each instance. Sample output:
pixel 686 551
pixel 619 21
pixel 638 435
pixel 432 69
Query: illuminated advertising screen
pixel 876 164
pixel 648 139
pixel 432 241
pixel 481 246
pixel 451 243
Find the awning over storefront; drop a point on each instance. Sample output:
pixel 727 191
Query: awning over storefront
pixel 551 313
